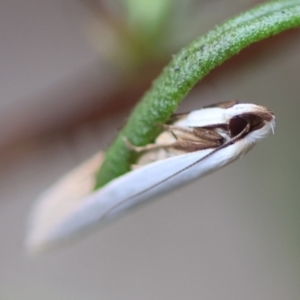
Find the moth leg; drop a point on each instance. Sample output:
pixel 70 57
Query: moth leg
pixel 200 133
pixel 171 128
pixel 192 145
pixel 180 144
pixel 207 134
pixel 147 147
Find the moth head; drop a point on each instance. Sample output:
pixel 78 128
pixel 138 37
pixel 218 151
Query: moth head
pixel 256 121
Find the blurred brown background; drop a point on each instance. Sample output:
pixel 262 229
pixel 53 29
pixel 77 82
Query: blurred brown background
pixel 66 88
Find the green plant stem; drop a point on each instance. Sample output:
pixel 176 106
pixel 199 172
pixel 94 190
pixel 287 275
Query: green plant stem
pixel 189 66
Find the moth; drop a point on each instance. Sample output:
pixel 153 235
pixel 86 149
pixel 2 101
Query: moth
pixel 190 146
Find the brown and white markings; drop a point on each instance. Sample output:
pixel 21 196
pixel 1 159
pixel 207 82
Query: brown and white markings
pixel 191 145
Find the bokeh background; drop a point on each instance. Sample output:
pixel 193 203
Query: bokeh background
pixel 70 73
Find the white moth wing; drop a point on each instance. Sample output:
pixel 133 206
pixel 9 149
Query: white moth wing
pixel 58 217
pixel 204 117
pixel 56 203
pixel 71 206
pixel 217 115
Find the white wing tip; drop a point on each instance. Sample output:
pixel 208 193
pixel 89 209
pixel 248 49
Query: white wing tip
pixel 36 244
pixel 57 203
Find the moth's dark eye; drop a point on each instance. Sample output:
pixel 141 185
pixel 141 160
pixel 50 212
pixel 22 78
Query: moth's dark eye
pixel 237 125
